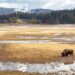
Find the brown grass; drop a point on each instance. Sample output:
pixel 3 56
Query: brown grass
pixel 20 73
pixel 10 33
pixel 34 53
pixel 16 73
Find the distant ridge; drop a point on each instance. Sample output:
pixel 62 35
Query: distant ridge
pixel 10 10
pixel 13 10
pixel 6 11
pixel 40 11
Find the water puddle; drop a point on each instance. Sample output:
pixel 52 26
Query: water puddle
pixel 64 39
pixel 32 42
pixel 32 37
pixel 67 39
pixel 26 42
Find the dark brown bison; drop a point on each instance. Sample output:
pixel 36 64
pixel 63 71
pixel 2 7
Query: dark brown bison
pixel 67 52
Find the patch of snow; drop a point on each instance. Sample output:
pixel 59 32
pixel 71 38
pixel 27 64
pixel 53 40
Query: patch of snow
pixel 21 67
pixel 38 68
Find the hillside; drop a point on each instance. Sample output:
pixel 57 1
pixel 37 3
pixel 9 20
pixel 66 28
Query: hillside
pixel 40 16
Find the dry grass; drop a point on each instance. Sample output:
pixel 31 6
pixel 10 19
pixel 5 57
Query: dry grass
pixel 10 33
pixel 34 53
pixel 20 73
pixel 16 73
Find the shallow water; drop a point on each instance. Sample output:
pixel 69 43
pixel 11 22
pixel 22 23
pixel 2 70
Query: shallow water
pixel 53 67
pixel 23 41
pixel 72 39
pixel 32 37
pixel 32 42
pixel 49 39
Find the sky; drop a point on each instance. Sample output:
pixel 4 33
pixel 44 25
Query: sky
pixel 33 4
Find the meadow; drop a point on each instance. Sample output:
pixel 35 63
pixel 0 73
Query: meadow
pixel 36 52
pixel 54 39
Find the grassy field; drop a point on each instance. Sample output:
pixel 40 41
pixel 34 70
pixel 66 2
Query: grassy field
pixel 36 52
pixel 11 33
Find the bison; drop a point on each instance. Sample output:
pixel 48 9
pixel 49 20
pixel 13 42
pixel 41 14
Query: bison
pixel 67 52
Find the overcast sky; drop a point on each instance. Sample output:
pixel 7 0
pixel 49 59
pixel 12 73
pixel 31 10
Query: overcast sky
pixel 31 4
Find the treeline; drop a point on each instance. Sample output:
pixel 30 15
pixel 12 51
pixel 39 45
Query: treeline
pixel 54 17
